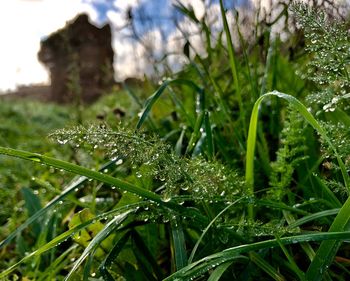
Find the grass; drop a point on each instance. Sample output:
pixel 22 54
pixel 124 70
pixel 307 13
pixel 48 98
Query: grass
pixel 227 171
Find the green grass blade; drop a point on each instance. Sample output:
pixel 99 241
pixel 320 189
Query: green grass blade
pixel 57 265
pixel 196 133
pixel 145 257
pixel 178 244
pixel 72 187
pixel 152 99
pixel 190 259
pixel 107 179
pixel 292 264
pixel 265 266
pixel 219 271
pixel 97 240
pixel 187 12
pixel 209 136
pixel 314 216
pixel 76 169
pixel 179 143
pixel 200 267
pixel 232 58
pixel 88 264
pixel 181 108
pixel 33 205
pixel 53 243
pixel 328 195
pixel 249 174
pixel 112 256
pixel 327 250
pixel 64 236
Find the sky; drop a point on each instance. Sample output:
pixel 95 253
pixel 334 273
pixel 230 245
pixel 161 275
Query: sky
pixel 23 23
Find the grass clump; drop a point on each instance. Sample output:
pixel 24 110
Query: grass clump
pixel 159 195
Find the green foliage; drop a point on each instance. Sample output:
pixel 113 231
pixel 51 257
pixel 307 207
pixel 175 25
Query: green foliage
pixel 328 42
pixel 154 164
pixel 158 192
pixel 290 153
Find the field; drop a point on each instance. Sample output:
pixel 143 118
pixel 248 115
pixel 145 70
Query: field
pixel 234 168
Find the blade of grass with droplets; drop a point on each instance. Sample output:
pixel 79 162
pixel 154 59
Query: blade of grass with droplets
pixel 76 169
pixel 64 236
pixel 314 216
pixel 101 177
pixel 328 249
pixel 97 240
pixel 152 99
pixel 219 271
pixel 178 244
pixel 195 134
pixel 249 174
pixel 179 143
pixel 190 259
pixel 53 243
pixel 200 267
pixel 76 183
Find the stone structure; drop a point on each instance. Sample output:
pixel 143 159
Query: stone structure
pixel 80 60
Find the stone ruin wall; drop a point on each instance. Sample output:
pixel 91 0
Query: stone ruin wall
pixel 80 60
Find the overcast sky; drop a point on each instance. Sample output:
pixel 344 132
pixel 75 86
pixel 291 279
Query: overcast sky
pixel 24 22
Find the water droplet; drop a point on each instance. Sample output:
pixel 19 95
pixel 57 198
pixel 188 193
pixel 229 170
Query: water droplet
pixel 166 198
pixel 62 141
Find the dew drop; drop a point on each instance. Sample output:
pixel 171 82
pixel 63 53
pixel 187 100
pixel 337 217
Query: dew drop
pixel 166 198
pixel 62 141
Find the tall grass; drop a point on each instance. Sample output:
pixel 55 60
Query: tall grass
pixel 229 188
